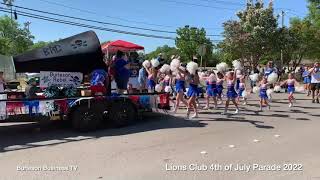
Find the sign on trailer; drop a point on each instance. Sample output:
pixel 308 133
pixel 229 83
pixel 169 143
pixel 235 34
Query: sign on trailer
pixel 63 79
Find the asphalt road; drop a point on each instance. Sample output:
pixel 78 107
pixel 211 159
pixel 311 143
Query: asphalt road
pixel 280 144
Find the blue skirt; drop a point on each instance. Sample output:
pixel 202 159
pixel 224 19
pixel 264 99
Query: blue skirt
pixel 240 92
pixel 151 84
pixel 193 90
pixel 219 89
pixel 211 92
pixel 232 94
pixel 306 80
pixel 180 86
pixel 291 89
pixel 263 94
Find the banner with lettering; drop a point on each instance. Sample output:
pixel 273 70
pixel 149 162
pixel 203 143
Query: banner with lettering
pixel 61 79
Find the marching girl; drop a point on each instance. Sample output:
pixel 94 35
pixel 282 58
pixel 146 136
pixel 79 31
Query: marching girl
pixel 290 82
pixel 211 90
pixel 152 76
pixel 231 92
pixel 242 89
pixel 180 88
pixel 307 80
pixel 220 81
pixel 192 93
pixel 263 93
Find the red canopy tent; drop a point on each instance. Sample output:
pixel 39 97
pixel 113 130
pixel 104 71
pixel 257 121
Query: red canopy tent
pixel 119 45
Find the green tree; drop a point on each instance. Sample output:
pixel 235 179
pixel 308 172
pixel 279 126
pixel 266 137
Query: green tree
pixel 14 39
pixel 188 41
pixel 166 50
pixel 253 35
pixel 314 12
pixel 39 44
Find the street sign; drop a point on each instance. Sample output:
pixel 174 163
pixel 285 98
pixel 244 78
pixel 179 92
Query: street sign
pixel 202 50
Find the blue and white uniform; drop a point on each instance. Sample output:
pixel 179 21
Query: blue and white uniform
pixel 193 90
pixel 151 82
pixel 212 89
pixel 263 91
pixel 219 87
pixel 180 87
pixel 291 87
pixel 231 92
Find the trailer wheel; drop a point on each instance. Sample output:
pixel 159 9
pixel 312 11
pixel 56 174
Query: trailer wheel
pixel 86 119
pixel 122 113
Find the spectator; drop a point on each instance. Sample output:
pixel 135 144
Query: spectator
pixel 142 79
pixel 32 89
pixel 122 72
pixel 2 83
pixel 315 82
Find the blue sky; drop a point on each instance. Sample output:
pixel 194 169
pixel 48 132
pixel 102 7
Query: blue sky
pixel 155 14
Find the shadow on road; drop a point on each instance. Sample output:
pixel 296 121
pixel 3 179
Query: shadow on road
pixel 257 124
pixel 23 136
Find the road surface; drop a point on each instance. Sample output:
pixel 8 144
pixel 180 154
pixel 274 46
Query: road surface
pixel 280 144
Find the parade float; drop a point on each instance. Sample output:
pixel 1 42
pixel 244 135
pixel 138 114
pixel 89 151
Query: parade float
pixel 72 86
pixel 131 50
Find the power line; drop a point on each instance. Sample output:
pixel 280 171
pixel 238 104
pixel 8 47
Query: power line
pixel 100 22
pixel 50 19
pixel 198 5
pixel 223 2
pixel 88 20
pixel 113 17
pixel 36 16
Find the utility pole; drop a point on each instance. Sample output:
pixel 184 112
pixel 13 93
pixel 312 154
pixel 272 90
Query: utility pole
pixel 282 25
pixel 27 24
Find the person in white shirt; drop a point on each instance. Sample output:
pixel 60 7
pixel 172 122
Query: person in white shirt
pixel 2 82
pixel 315 82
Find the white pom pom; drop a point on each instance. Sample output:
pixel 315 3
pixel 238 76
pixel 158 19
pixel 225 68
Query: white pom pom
pixel 175 64
pixel 256 90
pixel 212 78
pixel 168 89
pixel 300 89
pixel 192 67
pixel 237 64
pixel 146 64
pixel 155 63
pixel 244 94
pixel 158 88
pixel 165 68
pixel 273 78
pixel 222 67
pixel 277 89
pixel 254 77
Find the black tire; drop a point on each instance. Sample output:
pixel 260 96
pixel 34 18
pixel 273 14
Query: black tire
pixel 86 119
pixel 122 113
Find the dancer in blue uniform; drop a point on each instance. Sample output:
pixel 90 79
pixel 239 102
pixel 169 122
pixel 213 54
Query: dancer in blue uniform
pixel 220 81
pixel 152 79
pixel 241 91
pixel 290 82
pixel 231 92
pixel 180 88
pixel 263 93
pixel 211 90
pixel 192 93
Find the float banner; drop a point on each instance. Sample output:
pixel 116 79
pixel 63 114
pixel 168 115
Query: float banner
pixel 61 79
